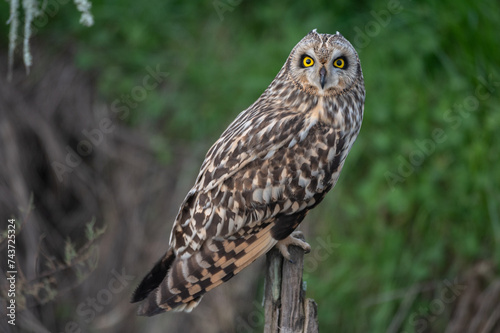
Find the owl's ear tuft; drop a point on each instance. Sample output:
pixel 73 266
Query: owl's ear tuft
pixel 313 32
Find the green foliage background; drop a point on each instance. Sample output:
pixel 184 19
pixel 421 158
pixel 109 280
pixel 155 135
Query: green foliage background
pixel 419 196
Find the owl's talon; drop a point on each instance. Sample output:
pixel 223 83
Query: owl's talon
pixel 297 236
pixel 292 239
pixel 283 248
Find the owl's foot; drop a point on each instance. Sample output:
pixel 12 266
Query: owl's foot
pixel 292 239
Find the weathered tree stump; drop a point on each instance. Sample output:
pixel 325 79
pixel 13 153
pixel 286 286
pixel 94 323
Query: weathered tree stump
pixel 285 306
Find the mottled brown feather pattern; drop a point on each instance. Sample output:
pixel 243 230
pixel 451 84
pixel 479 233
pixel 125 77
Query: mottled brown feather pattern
pixel 274 163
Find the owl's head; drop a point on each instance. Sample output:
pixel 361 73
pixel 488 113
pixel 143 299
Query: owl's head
pixel 323 64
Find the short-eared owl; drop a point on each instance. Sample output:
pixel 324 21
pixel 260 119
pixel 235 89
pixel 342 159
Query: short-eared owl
pixel 274 163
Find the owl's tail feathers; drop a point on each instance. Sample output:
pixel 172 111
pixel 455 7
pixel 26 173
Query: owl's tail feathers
pixel 154 277
pixel 186 280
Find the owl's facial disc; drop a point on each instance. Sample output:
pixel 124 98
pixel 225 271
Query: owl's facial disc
pixel 324 64
pixel 323 76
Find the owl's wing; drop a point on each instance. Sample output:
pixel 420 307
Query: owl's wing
pixel 234 177
pixel 253 189
pixel 256 133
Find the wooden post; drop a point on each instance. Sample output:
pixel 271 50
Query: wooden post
pixel 287 310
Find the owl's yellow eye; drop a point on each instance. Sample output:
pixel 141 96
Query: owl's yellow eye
pixel 339 63
pixel 307 61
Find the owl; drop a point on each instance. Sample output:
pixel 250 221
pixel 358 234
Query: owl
pixel 271 166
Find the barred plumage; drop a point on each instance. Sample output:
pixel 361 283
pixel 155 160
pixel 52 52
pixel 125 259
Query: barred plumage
pixel 273 164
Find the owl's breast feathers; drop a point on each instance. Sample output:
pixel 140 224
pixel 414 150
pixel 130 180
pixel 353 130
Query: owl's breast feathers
pixel 258 181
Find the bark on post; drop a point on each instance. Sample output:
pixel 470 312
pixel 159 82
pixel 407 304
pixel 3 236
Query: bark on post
pixel 287 310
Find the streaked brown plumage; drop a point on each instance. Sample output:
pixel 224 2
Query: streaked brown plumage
pixel 272 165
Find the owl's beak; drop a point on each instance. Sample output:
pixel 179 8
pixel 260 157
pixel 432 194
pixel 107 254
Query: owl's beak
pixel 322 77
